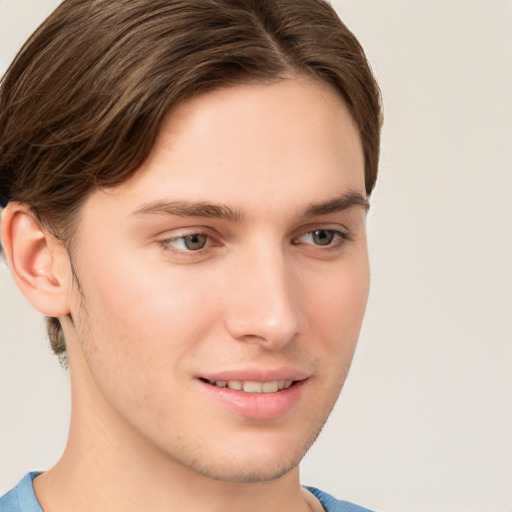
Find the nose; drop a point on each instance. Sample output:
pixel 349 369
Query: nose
pixel 263 301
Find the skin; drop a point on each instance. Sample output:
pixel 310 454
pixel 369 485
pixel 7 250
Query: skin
pixel 151 316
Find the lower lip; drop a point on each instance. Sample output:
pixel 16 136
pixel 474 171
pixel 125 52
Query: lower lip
pixel 260 406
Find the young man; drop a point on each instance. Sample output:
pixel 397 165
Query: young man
pixel 185 185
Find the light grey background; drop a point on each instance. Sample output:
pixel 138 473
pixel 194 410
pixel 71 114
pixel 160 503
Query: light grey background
pixel 425 420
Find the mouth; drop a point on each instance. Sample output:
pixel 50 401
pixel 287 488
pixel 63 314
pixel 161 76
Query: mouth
pixel 250 386
pixel 256 397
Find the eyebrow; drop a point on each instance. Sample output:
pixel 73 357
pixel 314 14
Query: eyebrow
pixel 338 204
pixel 191 209
pixel 221 211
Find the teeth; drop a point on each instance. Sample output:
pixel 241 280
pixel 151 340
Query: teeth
pixel 270 387
pixel 254 387
pixel 235 384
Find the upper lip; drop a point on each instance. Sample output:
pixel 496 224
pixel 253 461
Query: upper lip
pixel 256 374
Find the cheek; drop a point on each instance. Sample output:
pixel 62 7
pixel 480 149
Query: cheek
pixel 338 299
pixel 145 320
pixel 146 298
pixel 139 329
pixel 336 313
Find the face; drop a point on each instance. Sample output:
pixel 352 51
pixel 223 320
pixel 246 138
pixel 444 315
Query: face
pixel 223 286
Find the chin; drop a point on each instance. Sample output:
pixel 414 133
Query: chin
pixel 247 471
pixel 262 459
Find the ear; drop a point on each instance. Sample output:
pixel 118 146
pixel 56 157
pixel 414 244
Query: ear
pixel 39 263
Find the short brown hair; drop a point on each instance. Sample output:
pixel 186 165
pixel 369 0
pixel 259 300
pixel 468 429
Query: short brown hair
pixel 82 103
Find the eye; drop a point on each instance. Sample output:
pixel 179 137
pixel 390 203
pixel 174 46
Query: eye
pixel 192 242
pixel 322 237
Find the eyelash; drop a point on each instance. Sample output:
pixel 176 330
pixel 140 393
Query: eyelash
pixel 338 240
pixel 341 236
pixel 168 243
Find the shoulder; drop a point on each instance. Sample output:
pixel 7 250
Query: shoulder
pixel 21 498
pixel 331 504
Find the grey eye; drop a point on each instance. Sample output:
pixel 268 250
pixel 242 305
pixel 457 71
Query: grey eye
pixel 322 236
pixel 195 242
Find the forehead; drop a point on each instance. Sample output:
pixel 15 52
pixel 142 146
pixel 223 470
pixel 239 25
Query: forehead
pixel 251 145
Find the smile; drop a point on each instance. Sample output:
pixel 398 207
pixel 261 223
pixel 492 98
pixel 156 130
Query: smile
pixel 249 386
pixel 257 399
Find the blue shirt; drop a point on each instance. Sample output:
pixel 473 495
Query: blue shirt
pixel 22 499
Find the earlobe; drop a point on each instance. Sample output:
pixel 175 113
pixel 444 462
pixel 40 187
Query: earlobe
pixel 38 262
